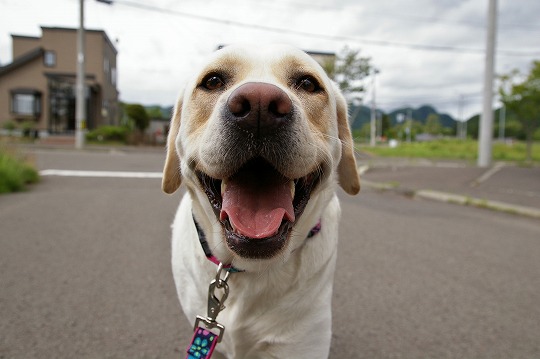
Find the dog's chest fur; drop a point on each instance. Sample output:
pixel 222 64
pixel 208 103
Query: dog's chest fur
pixel 283 312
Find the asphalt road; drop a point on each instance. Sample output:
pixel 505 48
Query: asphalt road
pixel 85 272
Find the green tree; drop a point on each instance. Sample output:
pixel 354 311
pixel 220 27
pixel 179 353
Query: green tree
pixel 523 99
pixel 409 126
pixel 433 125
pixel 155 112
pixel 349 70
pixel 386 125
pixel 138 115
pixel 365 131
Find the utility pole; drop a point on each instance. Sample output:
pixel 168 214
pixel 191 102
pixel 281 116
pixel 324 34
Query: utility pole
pixel 486 121
pixel 461 131
pixel 80 104
pixel 408 129
pixel 373 122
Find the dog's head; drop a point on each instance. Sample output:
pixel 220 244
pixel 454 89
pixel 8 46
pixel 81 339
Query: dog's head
pixel 257 135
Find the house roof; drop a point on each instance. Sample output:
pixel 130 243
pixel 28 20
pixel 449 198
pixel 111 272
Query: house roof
pixel 22 60
pixel 25 37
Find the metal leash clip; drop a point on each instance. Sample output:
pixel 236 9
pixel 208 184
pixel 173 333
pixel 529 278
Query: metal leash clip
pixel 215 303
pixel 204 339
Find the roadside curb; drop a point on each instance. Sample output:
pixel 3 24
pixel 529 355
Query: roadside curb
pixel 477 202
pixel 452 197
pixel 456 199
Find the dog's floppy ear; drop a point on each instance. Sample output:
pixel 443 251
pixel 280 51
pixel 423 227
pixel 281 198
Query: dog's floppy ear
pixel 348 176
pixel 171 171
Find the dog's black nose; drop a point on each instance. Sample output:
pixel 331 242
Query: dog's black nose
pixel 260 108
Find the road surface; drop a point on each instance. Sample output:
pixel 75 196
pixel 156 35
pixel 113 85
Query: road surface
pixel 85 272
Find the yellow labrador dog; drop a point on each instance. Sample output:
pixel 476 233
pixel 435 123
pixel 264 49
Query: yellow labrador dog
pixel 260 139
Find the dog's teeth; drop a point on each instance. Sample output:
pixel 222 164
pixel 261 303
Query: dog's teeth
pixel 293 188
pixel 233 227
pixel 223 186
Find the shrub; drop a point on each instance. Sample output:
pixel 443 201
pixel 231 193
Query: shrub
pixel 108 133
pixel 28 128
pixel 15 173
pixel 10 126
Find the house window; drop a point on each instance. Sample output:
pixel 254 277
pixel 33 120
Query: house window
pixel 106 65
pixel 49 59
pixel 26 103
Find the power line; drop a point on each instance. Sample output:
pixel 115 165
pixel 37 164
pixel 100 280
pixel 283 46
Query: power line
pixel 410 17
pixel 383 43
pixel 303 5
pixel 438 20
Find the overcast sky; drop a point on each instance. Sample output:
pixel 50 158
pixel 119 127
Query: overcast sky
pixel 427 51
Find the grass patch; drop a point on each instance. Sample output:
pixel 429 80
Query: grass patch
pixel 15 172
pixel 455 150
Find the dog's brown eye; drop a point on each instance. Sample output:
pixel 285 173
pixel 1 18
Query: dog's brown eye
pixel 213 82
pixel 308 84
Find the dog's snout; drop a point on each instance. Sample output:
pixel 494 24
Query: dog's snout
pixel 260 108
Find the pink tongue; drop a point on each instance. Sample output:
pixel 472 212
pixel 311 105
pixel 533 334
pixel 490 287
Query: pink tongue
pixel 256 202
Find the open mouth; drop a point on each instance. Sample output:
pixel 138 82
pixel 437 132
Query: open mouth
pixel 258 206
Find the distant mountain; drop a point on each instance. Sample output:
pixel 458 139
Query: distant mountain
pixel 359 115
pixel 363 115
pixel 421 114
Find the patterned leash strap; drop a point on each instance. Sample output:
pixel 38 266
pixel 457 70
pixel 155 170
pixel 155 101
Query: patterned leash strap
pixel 205 337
